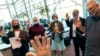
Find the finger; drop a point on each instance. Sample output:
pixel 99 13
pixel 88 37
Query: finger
pixel 0 32
pixel 78 19
pixel 3 31
pixel 44 41
pixel 30 54
pixel 93 8
pixel 33 44
pixel 75 21
pixel 48 42
pixel 37 41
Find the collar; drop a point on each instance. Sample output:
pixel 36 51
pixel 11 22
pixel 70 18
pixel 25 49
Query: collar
pixel 96 18
pixel 36 24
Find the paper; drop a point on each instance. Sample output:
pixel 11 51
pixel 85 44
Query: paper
pixel 17 34
pixel 15 44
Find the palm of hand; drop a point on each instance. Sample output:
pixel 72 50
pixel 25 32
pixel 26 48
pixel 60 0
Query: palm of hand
pixel 28 23
pixel 2 32
pixel 77 23
pixel 67 17
pixel 43 51
pixel 42 48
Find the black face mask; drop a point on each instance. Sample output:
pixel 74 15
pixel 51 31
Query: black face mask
pixel 16 27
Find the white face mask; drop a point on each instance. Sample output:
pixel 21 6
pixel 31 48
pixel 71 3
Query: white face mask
pixel 55 19
pixel 36 22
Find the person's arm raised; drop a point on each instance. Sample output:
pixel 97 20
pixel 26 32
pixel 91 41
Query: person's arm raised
pixel 79 25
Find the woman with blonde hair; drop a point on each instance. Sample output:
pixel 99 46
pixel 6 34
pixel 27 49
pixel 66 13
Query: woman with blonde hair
pixel 17 35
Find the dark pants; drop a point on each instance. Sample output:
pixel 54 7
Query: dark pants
pixel 79 43
pixel 20 51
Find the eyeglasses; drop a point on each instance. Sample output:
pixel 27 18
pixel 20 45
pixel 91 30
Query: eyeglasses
pixel 91 9
pixel 75 15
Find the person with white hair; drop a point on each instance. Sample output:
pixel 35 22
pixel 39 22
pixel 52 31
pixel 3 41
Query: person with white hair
pixel 36 29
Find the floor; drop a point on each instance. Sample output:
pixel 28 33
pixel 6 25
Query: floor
pixel 69 51
pixel 6 53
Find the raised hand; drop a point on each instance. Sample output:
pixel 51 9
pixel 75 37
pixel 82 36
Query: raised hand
pixel 77 22
pixel 31 54
pixel 28 22
pixel 2 33
pixel 67 16
pixel 41 49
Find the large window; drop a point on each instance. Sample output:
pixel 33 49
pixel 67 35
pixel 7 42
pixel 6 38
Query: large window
pixel 32 8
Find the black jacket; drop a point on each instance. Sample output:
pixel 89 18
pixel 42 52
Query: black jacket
pixel 60 26
pixel 70 24
pixel 24 41
pixel 60 35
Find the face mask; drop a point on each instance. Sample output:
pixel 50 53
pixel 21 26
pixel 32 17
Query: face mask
pixel 36 22
pixel 55 19
pixel 16 27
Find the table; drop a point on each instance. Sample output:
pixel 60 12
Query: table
pixel 5 49
pixel 4 46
